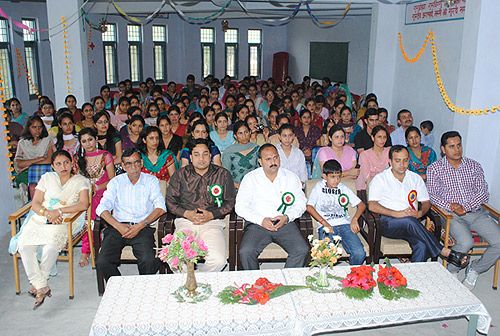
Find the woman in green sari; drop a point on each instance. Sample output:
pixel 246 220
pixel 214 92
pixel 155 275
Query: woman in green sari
pixel 157 160
pixel 241 157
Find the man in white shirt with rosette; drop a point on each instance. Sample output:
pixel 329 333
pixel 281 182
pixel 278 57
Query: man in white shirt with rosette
pixel 394 194
pixel 270 199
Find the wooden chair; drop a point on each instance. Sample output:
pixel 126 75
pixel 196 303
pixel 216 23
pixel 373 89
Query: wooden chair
pixel 127 256
pixel 168 226
pixel 387 247
pixel 66 254
pixel 273 252
pixel 479 245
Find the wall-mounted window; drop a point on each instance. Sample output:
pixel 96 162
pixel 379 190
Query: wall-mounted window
pixel 160 52
pixel 5 60
pixel 254 52
pixel 134 37
pixel 231 52
pixel 109 41
pixel 207 39
pixel 31 53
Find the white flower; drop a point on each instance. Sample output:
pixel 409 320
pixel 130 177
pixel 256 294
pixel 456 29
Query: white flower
pixel 310 237
pixel 340 251
pixel 337 238
pixel 315 242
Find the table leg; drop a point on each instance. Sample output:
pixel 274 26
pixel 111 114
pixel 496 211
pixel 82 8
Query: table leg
pixel 471 330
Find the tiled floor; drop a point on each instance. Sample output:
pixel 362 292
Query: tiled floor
pixel 61 316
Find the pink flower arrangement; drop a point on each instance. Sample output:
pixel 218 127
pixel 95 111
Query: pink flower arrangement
pixel 181 248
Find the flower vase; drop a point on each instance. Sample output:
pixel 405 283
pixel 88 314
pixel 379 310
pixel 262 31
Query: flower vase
pixel 322 279
pixel 191 284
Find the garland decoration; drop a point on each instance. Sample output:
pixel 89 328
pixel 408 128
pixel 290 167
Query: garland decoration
pixel 66 53
pixel 6 124
pixel 201 20
pixel 439 81
pixel 429 36
pixel 22 64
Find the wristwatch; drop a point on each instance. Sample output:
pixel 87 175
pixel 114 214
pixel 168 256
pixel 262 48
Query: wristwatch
pixel 42 211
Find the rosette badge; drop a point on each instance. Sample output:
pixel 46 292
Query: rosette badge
pixel 344 201
pixel 412 197
pixel 287 199
pixel 216 192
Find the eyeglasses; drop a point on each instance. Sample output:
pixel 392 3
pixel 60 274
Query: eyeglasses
pixel 135 163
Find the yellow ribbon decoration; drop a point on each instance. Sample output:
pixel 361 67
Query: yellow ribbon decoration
pixel 439 82
pixel 122 12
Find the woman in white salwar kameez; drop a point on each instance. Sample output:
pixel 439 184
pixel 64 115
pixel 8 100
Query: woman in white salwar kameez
pixel 58 195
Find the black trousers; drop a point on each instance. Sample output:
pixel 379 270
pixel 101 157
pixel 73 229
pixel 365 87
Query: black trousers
pixel 143 246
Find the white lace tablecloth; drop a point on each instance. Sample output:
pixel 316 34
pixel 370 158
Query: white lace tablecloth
pixel 441 296
pixel 143 305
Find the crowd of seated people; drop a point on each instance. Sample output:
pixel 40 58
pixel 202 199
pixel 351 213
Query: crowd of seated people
pixel 260 141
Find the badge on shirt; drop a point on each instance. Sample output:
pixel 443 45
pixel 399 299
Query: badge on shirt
pixel 287 199
pixel 344 201
pixel 216 192
pixel 412 197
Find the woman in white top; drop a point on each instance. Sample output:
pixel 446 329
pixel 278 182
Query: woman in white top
pixel 59 194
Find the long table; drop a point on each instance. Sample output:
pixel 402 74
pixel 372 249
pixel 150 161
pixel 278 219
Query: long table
pixel 143 305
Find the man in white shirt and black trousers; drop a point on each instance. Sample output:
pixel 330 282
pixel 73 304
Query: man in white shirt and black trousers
pixel 136 202
pixel 270 199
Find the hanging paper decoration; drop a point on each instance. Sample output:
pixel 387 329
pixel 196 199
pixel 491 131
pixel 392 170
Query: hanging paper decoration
pixel 272 22
pixel 439 81
pixel 6 124
pixel 137 20
pixel 19 24
pixel 201 20
pixel 326 24
pixel 66 54
pixel 21 63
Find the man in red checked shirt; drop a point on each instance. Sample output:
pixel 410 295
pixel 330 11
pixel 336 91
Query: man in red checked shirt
pixel 456 184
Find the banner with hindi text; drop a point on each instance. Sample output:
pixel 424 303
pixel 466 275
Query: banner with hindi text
pixel 433 11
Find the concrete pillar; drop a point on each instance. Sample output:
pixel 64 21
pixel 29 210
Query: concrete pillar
pixel 478 88
pixel 77 44
pixel 383 53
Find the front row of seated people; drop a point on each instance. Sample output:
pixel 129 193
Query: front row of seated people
pixel 133 201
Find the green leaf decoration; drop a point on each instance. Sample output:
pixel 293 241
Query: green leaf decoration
pixel 391 293
pixel 357 293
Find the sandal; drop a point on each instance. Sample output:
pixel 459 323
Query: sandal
pixel 32 291
pixel 458 259
pixel 84 260
pixel 41 294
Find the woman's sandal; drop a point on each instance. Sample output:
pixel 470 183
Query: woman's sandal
pixel 41 294
pixel 84 260
pixel 32 291
pixel 458 259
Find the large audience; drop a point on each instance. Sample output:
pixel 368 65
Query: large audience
pixel 258 141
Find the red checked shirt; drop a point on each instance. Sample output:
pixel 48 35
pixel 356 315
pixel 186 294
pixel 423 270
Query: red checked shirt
pixel 465 185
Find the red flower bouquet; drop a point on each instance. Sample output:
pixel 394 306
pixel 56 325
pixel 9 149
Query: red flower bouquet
pixel 392 284
pixel 259 293
pixel 359 283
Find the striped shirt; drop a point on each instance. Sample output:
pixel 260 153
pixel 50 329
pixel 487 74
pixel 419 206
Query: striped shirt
pixel 465 185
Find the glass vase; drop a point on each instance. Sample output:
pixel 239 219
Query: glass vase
pixel 322 279
pixel 191 284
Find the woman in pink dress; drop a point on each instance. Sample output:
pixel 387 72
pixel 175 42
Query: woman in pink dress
pixel 339 151
pixel 374 160
pixel 97 165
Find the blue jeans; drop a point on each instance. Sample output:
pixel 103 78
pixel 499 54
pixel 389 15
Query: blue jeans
pixel 350 242
pixel 423 243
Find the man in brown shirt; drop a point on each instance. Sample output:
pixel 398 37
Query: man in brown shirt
pixel 201 195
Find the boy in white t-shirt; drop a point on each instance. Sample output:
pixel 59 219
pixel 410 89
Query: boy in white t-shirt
pixel 328 204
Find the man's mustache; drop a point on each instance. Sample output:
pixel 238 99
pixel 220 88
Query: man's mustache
pixel 273 166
